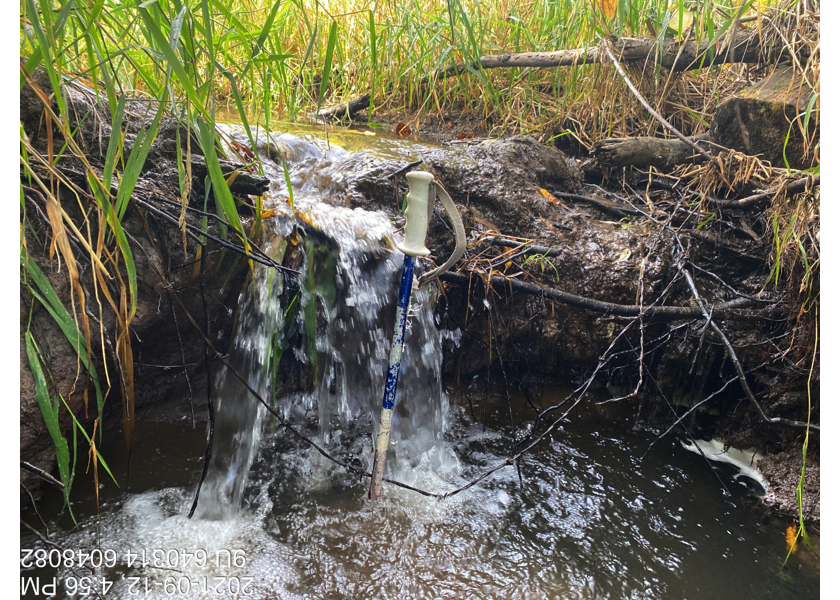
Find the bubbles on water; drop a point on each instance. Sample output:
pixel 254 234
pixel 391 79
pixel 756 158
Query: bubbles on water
pixel 154 545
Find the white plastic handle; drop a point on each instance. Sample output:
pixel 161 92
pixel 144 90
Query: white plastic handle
pixel 436 189
pixel 417 214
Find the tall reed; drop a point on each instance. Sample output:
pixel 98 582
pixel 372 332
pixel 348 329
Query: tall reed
pixel 275 59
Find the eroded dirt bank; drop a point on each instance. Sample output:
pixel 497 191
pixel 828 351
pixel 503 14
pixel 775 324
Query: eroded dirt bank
pixel 168 351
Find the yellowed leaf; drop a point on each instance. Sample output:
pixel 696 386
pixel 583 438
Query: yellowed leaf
pixel 232 177
pixel 549 196
pixel 93 458
pixel 790 538
pixel 306 218
pixel 625 254
pixel 60 241
pixel 608 7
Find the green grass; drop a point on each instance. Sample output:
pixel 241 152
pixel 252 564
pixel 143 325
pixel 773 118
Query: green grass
pixel 278 59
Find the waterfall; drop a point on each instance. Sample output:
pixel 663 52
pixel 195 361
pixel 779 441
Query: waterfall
pixel 238 415
pixel 356 302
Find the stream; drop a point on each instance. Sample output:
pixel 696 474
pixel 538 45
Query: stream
pixel 587 514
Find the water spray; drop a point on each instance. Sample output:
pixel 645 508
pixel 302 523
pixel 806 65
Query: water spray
pixel 419 206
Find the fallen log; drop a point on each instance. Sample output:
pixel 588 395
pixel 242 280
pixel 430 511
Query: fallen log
pixel 746 47
pixel 345 109
pixel 646 152
pixel 244 183
pixel 556 58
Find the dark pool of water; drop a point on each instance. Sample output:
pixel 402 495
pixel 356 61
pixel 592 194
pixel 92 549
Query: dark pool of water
pixel 590 518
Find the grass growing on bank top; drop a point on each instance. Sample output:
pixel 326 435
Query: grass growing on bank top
pixel 281 58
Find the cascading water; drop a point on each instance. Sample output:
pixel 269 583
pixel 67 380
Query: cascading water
pixel 352 355
pixel 238 416
pixel 590 519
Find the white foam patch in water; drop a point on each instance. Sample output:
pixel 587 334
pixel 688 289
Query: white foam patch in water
pixel 745 460
pixel 204 557
pixel 407 546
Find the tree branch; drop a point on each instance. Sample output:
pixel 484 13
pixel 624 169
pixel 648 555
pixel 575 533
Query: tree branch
pixel 733 308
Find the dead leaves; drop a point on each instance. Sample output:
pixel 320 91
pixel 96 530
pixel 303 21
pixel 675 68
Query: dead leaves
pixel 624 256
pixel 730 172
pixel 549 196
pixel 60 241
pixel 241 149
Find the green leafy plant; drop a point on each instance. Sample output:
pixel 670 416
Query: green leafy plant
pixel 542 261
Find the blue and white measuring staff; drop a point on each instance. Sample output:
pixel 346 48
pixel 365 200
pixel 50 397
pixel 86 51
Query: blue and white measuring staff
pixel 416 225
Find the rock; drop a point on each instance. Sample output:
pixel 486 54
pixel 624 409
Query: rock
pixel 767 119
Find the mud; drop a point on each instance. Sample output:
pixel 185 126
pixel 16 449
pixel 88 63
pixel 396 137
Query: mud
pixel 783 470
